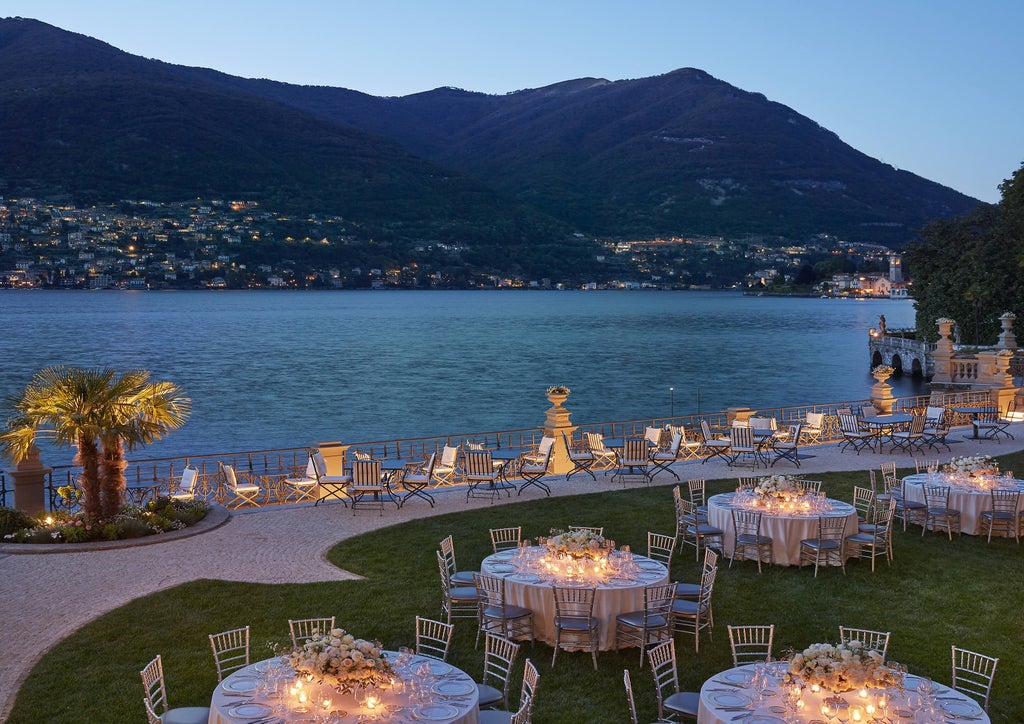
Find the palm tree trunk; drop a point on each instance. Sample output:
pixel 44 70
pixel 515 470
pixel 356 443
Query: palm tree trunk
pixel 89 459
pixel 112 479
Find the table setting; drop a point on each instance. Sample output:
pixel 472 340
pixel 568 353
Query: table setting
pixel 828 683
pixel 575 559
pixel 789 514
pixel 334 677
pixel 970 480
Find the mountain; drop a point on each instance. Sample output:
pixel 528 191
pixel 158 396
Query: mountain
pixel 82 117
pixel 680 153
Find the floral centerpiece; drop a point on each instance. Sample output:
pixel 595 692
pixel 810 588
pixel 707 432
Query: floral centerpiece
pixel 577 544
pixel 972 465
pixel 780 487
pixel 842 667
pixel 339 659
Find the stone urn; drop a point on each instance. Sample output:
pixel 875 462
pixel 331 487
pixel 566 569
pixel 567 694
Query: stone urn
pixel 557 415
pixel 881 391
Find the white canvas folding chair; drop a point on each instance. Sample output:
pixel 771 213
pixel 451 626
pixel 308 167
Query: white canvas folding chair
pixel 241 493
pixel 186 489
pixel 580 456
pixel 534 469
pixel 604 457
pixel 447 467
pixel 330 486
pixel 304 487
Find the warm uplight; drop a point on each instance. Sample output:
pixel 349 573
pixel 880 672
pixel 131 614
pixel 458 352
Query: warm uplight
pixel 372 701
pixel 49 520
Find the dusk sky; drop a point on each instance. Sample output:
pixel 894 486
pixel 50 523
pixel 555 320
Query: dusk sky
pixel 931 86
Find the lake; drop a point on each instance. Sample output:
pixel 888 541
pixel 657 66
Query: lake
pixel 273 369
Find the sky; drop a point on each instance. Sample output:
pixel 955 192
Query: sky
pixel 929 86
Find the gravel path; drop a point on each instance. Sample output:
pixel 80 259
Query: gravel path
pixel 43 598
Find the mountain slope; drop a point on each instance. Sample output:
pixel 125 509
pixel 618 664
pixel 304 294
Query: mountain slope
pixel 81 116
pixel 681 151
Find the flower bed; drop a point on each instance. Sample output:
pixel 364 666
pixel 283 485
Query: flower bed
pixel 157 516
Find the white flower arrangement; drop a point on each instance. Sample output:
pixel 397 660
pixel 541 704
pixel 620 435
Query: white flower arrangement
pixel 782 487
pixel 972 465
pixel 881 370
pixel 558 390
pixel 339 659
pixel 577 544
pixel 842 667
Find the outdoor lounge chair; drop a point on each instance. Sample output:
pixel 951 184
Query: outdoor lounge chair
pixel 330 486
pixel 580 456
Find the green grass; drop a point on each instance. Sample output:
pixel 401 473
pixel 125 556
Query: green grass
pixel 937 593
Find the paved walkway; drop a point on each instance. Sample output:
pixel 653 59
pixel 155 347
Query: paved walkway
pixel 43 598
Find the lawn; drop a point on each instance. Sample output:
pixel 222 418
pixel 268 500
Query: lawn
pixel 937 593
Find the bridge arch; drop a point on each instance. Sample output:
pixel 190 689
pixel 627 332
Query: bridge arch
pixel 897 365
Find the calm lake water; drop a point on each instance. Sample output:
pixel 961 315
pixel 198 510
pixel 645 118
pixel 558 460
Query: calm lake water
pixel 284 369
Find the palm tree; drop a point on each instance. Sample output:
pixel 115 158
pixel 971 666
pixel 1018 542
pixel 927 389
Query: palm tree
pixel 102 414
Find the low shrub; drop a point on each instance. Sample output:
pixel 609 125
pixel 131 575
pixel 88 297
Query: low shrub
pixel 12 520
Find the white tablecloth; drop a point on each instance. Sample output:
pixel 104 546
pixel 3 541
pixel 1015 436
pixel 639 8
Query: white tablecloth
pixel 609 600
pixel 786 531
pixel 969 501
pixel 231 696
pixel 722 695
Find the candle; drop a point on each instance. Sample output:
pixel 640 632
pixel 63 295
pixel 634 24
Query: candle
pixel 863 693
pixel 856 714
pixel 870 709
pixel 826 709
pixel 815 688
pixel 372 701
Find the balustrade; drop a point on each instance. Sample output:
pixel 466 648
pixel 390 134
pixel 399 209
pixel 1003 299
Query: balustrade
pixel 161 476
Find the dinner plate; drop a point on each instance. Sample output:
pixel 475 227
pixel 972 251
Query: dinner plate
pixel 650 575
pixel 959 707
pixel 649 565
pixel 241 684
pixel 502 567
pixel 525 577
pixel 435 712
pixel 728 698
pixel 736 677
pixel 504 555
pixel 619 582
pixel 249 711
pixel 438 668
pixel 456 687
pixel 267 664
pixel 764 719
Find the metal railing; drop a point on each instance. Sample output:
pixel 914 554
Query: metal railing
pixel 148 478
pixel 3 490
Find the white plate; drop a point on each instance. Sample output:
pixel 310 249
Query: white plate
pixel 455 687
pixel 267 664
pixel 525 577
pixel 249 711
pixel 650 575
pixel 505 555
pixel 502 567
pixel 764 719
pixel 959 707
pixel 728 698
pixel 737 677
pixel 435 712
pixel 437 668
pixel 241 684
pixel 649 565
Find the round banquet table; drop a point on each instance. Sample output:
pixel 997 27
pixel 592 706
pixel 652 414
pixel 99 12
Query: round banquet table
pixel 454 699
pixel 785 529
pixel 534 592
pixel 970 501
pixel 727 698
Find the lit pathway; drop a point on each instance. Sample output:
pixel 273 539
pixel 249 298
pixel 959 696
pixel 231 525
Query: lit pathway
pixel 43 598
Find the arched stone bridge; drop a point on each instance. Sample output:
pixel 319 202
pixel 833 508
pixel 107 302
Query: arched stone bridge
pixel 906 356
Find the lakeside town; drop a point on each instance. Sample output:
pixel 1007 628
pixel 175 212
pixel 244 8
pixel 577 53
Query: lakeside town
pixel 225 244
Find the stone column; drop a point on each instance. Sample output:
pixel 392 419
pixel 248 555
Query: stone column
pixel 556 423
pixel 737 413
pixel 881 391
pixel 943 354
pixel 1002 380
pixel 334 456
pixel 1007 340
pixel 30 483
